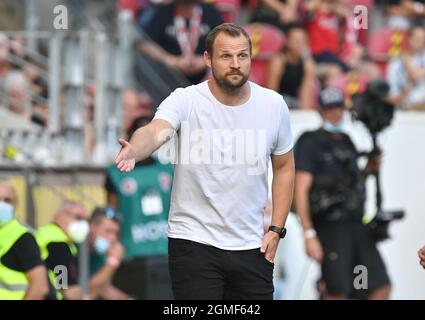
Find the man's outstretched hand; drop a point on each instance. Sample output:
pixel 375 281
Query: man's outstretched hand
pixel 126 158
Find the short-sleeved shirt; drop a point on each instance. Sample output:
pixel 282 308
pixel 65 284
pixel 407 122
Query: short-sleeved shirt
pixel 24 255
pixel 60 255
pixel 323 31
pixel 397 76
pixel 220 178
pixel 332 161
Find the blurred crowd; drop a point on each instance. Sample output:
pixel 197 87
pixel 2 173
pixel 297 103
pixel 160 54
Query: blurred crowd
pixel 299 47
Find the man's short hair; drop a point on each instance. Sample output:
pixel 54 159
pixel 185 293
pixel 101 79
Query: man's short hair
pixel 230 29
pixel 294 26
pixel 99 213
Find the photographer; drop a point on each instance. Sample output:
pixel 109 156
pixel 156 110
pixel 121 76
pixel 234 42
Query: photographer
pixel 329 198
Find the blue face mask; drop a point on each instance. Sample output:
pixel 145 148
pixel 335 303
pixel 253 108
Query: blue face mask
pixel 334 128
pixel 6 212
pixel 101 245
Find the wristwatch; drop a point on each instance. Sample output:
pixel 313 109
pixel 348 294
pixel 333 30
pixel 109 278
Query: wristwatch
pixel 280 231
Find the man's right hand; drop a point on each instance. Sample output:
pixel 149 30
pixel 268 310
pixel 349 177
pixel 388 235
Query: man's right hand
pixel 126 159
pixel 421 254
pixel 116 251
pixel 314 249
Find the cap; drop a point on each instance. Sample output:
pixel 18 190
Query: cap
pixel 331 97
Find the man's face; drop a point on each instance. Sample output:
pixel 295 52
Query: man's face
pixel 106 228
pixel 230 61
pixel 333 115
pixel 7 194
pixel 74 213
pixel 297 41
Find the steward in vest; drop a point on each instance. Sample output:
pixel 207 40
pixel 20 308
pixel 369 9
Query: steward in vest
pixel 57 242
pixel 23 275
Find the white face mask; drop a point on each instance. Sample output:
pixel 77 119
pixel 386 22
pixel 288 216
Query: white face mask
pixel 78 230
pixel 6 212
pixel 101 245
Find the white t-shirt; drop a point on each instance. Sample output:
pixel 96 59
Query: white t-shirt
pixel 221 164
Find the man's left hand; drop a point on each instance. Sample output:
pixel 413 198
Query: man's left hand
pixel 269 246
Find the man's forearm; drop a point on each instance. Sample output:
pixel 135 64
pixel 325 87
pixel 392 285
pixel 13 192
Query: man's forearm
pixel 101 279
pixel 282 193
pixel 144 143
pixel 38 283
pixel 303 209
pixel 112 293
pixel 36 291
pixel 154 51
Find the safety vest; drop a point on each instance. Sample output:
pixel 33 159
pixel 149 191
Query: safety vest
pixel 13 284
pixel 52 233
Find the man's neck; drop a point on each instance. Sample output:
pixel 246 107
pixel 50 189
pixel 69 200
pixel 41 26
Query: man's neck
pixel 236 98
pixel 293 57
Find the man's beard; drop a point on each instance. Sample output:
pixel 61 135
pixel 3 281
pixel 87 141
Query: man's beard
pixel 228 86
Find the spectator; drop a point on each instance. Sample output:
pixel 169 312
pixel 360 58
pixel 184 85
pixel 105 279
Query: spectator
pixel 180 30
pixel 406 74
pixel 106 253
pixel 280 13
pixel 17 90
pixel 325 20
pixel 143 197
pixel 402 12
pixel 57 244
pixel 22 272
pixel 148 200
pixel 293 72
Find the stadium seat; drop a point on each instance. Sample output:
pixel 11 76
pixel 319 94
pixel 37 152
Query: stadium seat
pixel 350 84
pixel 386 43
pixel 266 40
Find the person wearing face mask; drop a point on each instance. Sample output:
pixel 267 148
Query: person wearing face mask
pixel 106 253
pixel 330 197
pixel 58 244
pixel 22 272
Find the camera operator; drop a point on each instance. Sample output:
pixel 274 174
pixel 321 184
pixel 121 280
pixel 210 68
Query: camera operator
pixel 329 198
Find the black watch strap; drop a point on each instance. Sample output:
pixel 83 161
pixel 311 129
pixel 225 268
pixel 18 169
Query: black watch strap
pixel 280 231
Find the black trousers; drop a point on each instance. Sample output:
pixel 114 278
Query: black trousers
pixel 202 272
pixel 347 245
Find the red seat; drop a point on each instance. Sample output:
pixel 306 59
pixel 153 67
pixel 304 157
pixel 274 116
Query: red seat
pixel 228 8
pixel 266 41
pixel 385 44
pixel 350 84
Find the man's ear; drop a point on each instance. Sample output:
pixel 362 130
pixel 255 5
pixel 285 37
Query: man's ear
pixel 207 59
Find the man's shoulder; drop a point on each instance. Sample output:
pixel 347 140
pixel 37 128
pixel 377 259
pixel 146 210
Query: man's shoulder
pixel 311 136
pixel 270 96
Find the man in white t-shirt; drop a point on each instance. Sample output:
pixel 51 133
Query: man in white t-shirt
pixel 228 129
